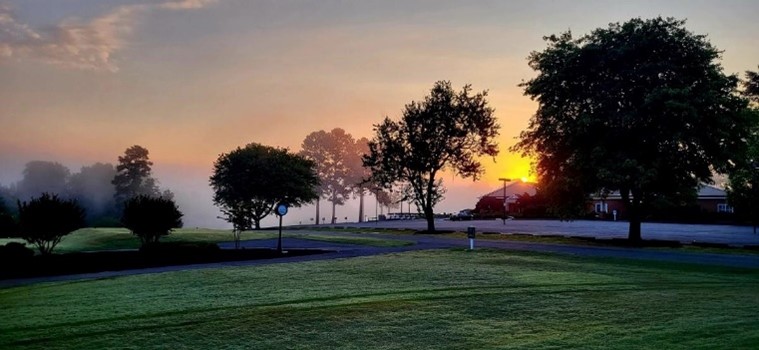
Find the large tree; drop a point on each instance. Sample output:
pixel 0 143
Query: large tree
pixel 333 153
pixel 248 182
pixel 42 177
pixel 743 179
pixel 134 176
pixel 447 130
pixel 751 86
pixel 642 107
pixel 359 174
pixel 93 189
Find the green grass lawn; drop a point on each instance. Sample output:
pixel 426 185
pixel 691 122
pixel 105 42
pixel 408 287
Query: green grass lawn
pixel 445 299
pixel 91 239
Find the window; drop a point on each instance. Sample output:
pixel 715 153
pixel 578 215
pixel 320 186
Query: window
pixel 602 207
pixel 724 208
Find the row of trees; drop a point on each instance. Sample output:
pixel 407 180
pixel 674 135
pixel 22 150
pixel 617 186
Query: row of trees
pixel 448 130
pixel 45 220
pixel 101 189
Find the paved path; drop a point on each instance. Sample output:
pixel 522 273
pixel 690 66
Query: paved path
pixel 423 242
pixel 685 233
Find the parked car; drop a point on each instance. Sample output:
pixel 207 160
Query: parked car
pixel 465 214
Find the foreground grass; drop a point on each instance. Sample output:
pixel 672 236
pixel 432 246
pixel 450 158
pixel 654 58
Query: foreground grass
pixel 417 300
pixel 92 239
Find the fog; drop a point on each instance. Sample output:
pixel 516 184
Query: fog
pixel 194 195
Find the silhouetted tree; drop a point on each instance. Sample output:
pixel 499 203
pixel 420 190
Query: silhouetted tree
pixel 42 177
pixel 751 86
pixel 44 221
pixel 92 188
pixel 8 227
pixel 133 176
pixel 448 130
pixel 248 182
pixel 359 174
pixel 150 217
pixel 641 107
pixel 743 180
pixel 331 152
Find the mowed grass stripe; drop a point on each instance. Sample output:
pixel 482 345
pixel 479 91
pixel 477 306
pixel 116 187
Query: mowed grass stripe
pixel 428 299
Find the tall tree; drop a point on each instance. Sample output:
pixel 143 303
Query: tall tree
pixel 332 153
pixel 133 176
pixel 448 130
pixel 248 182
pixel 751 86
pixel 359 174
pixel 641 107
pixel 743 179
pixel 92 188
pixel 42 177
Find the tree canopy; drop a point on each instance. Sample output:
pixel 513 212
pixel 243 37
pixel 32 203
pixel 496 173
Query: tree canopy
pixel 134 175
pixel 248 182
pixel 642 107
pixel 447 130
pixel 150 218
pixel 335 155
pixel 42 177
pixel 45 220
pixel 93 190
pixel 743 184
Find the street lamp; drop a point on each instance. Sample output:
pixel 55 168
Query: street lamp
pixel 505 180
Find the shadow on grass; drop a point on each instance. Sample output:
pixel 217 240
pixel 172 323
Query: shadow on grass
pixel 157 256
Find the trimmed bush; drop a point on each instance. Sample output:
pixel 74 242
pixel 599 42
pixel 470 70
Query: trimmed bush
pixel 15 251
pixel 44 221
pixel 149 218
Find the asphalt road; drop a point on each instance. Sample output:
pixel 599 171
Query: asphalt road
pixel 422 242
pixel 685 233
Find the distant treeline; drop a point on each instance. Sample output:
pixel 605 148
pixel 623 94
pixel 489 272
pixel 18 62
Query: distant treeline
pixel 100 188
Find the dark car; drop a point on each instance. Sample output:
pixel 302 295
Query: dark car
pixel 462 215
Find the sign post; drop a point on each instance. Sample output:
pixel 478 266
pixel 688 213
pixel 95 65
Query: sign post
pixel 470 235
pixel 281 210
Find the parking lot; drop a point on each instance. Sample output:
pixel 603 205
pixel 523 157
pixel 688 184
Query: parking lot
pixel 686 233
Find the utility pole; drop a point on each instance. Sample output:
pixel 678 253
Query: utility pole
pixel 505 180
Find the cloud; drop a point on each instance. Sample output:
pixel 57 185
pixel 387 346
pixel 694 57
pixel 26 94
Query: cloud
pixel 75 44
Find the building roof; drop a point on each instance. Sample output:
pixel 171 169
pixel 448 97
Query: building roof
pixel 513 189
pixel 704 192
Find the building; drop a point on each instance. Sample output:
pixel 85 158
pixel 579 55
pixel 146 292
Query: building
pixel 709 199
pixel 492 205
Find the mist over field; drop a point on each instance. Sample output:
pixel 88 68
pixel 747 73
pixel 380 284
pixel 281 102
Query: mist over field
pixel 194 196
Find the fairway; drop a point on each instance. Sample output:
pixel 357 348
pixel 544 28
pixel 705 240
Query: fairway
pixel 95 239
pixel 437 299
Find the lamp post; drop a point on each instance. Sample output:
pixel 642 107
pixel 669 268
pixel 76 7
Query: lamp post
pixel 505 180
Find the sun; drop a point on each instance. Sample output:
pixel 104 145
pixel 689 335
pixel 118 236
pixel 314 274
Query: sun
pixel 525 179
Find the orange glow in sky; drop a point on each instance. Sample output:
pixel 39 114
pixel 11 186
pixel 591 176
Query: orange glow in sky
pixel 192 79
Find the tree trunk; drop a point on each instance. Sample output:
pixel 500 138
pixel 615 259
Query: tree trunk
pixel 430 216
pixel 258 223
pixel 361 207
pixel 317 211
pixel 633 234
pixel 334 218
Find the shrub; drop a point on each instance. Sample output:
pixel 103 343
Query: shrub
pixel 14 251
pixel 149 218
pixel 44 221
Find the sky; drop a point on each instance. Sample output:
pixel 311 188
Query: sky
pixel 82 80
